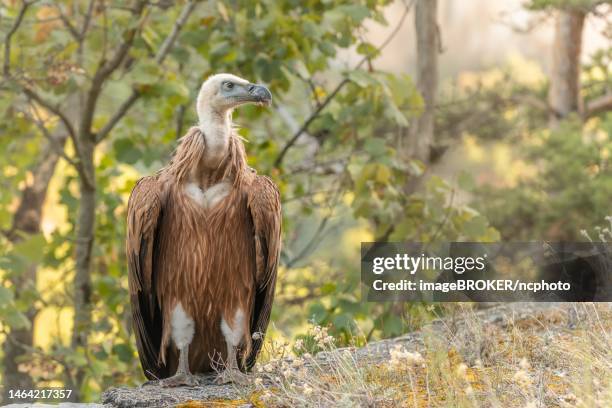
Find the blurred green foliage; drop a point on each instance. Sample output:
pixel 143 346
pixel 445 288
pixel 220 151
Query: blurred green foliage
pixel 556 4
pixel 572 189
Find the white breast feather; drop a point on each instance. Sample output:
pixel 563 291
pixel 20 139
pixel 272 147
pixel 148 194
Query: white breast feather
pixel 210 197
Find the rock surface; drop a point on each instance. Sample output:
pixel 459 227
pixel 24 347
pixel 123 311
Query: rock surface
pixel 60 405
pixel 153 396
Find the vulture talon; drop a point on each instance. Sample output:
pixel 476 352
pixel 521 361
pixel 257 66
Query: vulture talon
pixel 179 380
pixel 232 375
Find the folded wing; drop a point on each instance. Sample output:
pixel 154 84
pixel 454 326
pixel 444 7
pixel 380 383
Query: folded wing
pixel 144 215
pixel 264 206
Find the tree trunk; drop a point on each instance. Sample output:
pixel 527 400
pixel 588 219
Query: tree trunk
pixel 428 44
pixel 27 220
pixel 84 245
pixel 564 93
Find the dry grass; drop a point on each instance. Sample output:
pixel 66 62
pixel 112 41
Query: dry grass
pixel 548 358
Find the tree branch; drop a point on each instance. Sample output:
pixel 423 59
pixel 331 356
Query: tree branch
pixel 314 241
pixel 279 159
pixel 71 28
pixel 598 105
pixel 161 55
pixel 9 35
pixel 118 115
pixel 533 101
pixel 176 29
pixel 180 115
pixel 31 93
pixel 316 238
pixel 105 69
pixel 309 120
pixel 52 141
pixel 87 20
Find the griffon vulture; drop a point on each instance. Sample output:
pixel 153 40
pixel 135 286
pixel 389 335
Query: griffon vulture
pixel 203 244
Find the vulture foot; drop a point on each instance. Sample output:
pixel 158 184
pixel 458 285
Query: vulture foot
pixel 178 380
pixel 232 375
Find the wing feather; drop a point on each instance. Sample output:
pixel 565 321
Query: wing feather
pixel 264 205
pixel 144 214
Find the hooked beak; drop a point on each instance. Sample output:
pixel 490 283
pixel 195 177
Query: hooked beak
pixel 259 94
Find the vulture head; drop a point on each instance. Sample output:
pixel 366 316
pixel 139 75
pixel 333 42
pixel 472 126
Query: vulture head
pixel 224 92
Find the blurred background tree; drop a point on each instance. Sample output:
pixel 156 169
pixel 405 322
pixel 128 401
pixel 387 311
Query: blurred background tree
pixel 95 94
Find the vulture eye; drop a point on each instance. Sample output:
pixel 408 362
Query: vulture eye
pixel 229 85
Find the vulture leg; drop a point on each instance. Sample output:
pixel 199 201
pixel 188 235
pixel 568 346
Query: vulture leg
pixel 183 328
pixel 233 334
pixel 183 376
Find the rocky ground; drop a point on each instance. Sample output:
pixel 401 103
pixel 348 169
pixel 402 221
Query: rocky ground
pixel 210 394
pixel 155 396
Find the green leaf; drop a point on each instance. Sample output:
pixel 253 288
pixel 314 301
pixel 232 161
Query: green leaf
pixel 392 325
pixel 343 321
pixel 101 354
pixel 146 73
pixel 31 248
pixel 126 151
pixel 395 114
pixel 367 49
pixel 15 319
pixel 317 313
pixel 475 227
pixel 6 296
pixel 356 12
pixel 124 352
pixel 383 174
pixel 77 358
pixel 375 146
pixel 328 288
pixel 465 180
pixel 327 48
pixel 220 49
pixel 362 78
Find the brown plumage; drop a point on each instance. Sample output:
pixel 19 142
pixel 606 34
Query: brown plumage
pixel 203 244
